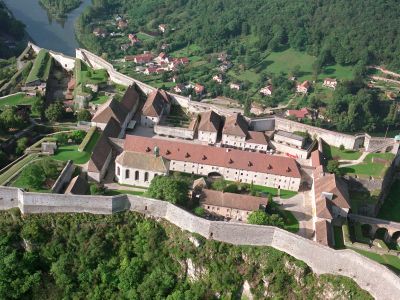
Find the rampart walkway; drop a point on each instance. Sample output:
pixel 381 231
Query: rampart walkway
pixel 371 276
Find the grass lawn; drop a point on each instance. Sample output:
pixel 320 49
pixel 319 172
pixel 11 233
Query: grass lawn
pixel 370 168
pixel 269 190
pixel 70 152
pixel 188 52
pixel 291 223
pixel 390 209
pixel 16 168
pixel 144 36
pixel 390 261
pixel 17 99
pixel 332 152
pixel 94 76
pixel 99 100
pixel 123 192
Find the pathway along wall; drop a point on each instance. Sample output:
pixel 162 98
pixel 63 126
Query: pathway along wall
pixel 371 276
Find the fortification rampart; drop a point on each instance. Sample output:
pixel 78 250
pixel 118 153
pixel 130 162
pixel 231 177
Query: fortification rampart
pixel 64 178
pixel 332 138
pixel 66 62
pixel 371 276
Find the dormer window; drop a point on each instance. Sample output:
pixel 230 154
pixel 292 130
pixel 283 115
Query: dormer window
pixel 288 169
pixel 168 152
pixel 269 167
pixel 230 161
pixel 148 149
pixel 250 164
pixel 204 157
pixel 187 155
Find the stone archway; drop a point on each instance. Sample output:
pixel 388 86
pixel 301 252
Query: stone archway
pixel 367 231
pixel 396 237
pixel 382 234
pixel 215 175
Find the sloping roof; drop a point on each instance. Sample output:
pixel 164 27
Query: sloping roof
pixel 77 186
pixel 316 158
pixel 230 200
pixel 210 121
pixel 130 98
pixel 99 155
pixel 323 208
pixel 330 183
pixel 155 103
pixel 323 233
pixel 236 125
pixel 289 135
pixel 112 129
pixel 111 109
pixel 215 156
pixel 143 161
pixel 256 137
pixel 298 113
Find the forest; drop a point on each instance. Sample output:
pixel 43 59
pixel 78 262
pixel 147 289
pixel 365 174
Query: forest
pixel 335 31
pixel 126 256
pixel 59 8
pixel 11 31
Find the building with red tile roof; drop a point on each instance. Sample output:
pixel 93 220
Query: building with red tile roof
pixel 232 164
pixel 303 87
pixel 157 104
pixel 235 131
pixel 299 114
pixel 209 126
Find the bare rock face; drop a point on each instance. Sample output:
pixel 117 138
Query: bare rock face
pixel 194 241
pixel 297 272
pixel 266 282
pixel 193 272
pixel 329 292
pixel 246 293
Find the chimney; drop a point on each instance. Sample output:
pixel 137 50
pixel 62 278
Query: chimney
pixel 269 167
pixel 148 149
pixel 230 161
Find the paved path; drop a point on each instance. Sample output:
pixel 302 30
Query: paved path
pixel 300 207
pixel 349 163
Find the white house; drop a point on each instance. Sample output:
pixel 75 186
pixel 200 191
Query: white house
pixel 266 91
pixel 209 126
pixel 329 82
pixel 158 103
pixel 235 131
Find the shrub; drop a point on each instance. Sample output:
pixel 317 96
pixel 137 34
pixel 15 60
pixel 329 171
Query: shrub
pixel 77 136
pixel 97 189
pixel 22 143
pixel 169 189
pixel 199 211
pixel 84 115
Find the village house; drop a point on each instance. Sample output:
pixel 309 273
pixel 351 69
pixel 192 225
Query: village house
pixel 162 58
pixel 218 78
pixel 303 87
pixel 231 206
pixel 235 86
pixel 256 141
pixel 143 58
pixel 158 103
pixel 199 89
pixel 266 91
pixel 100 32
pixel 299 114
pixel 133 39
pixel 329 82
pixel 152 70
pixel 162 27
pixel 179 88
pixel 209 126
pixel 122 24
pixel 234 165
pixel 235 131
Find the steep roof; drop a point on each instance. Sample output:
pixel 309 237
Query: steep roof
pixel 111 109
pixel 215 156
pixel 143 161
pixel 130 98
pixel 210 121
pixel 112 129
pixel 77 186
pixel 256 137
pixel 332 184
pixel 316 158
pixel 236 125
pixel 230 200
pixel 155 103
pixel 323 208
pixel 323 233
pixel 298 113
pixel 99 155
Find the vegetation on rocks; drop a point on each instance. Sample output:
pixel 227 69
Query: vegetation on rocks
pixel 126 256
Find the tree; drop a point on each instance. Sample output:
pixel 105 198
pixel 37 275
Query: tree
pixel 55 112
pixel 97 189
pixel 199 211
pixel 10 119
pixel 38 107
pixel 22 144
pixel 77 136
pixel 341 147
pixel 3 159
pixel 333 167
pixel 34 176
pixel 84 115
pixel 258 217
pixel 49 168
pixel 170 189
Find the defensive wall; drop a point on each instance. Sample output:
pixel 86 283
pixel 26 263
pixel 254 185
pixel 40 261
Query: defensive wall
pixel 64 178
pixel 66 62
pixel 371 276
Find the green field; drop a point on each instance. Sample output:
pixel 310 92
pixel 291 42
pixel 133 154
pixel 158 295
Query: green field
pixel 144 36
pixel 16 168
pixel 285 61
pixel 368 168
pixel 188 52
pixel 41 67
pixel 284 194
pixel 70 152
pixel 123 192
pixel 17 99
pixel 390 209
pixel 291 223
pixel 332 152
pixel 390 261
pixel 99 100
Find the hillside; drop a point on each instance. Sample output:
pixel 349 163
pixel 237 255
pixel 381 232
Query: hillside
pixel 336 31
pixel 125 256
pixel 11 33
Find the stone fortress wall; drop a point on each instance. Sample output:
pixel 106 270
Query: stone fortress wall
pixel 371 276
pixel 67 62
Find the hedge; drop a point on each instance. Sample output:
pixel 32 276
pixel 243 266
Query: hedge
pixel 86 140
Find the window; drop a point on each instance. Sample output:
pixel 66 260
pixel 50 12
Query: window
pixel 146 176
pixel 126 173
pixel 137 175
pixel 118 171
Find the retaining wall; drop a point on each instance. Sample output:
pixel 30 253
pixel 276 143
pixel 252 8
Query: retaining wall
pixel 332 138
pixel 64 178
pixel 265 124
pixel 66 62
pixel 178 132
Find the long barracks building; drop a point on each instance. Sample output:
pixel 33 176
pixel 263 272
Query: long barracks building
pixel 162 156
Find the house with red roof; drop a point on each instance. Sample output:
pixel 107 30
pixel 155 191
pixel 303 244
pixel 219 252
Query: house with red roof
pixel 299 114
pixel 303 87
pixel 199 89
pixel 330 83
pixel 143 58
pixel 232 164
pixel 266 91
pixel 158 103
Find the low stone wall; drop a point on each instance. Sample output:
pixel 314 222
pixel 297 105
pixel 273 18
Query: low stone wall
pixel 371 276
pixel 179 132
pixel 64 178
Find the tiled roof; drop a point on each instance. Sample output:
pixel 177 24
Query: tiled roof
pixel 143 161
pixel 130 99
pixel 323 233
pixel 100 154
pixel 110 109
pixel 155 103
pixel 330 183
pixel 323 208
pixel 112 129
pixel 230 200
pixel 302 113
pixel 215 156
pixel 316 158
pixel 210 121
pixel 256 137
pixel 235 125
pixel 77 186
